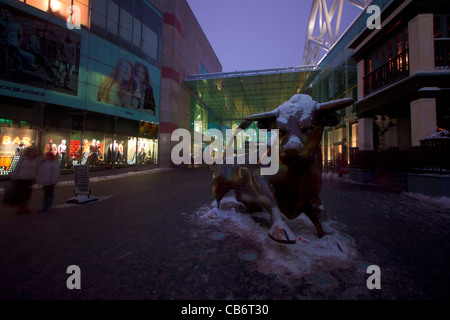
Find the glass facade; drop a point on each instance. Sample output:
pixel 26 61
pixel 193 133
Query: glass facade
pixel 442 40
pixel 94 85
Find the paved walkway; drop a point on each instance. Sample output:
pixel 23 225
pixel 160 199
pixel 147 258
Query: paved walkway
pixel 147 238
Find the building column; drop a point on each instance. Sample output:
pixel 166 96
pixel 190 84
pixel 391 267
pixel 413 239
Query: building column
pixel 360 75
pixel 365 143
pixel 365 134
pixel 421 43
pixel 423 119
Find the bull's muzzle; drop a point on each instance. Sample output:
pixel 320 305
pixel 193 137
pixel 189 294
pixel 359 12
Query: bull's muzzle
pixel 292 148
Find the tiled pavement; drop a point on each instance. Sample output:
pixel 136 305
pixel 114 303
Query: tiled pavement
pixel 144 239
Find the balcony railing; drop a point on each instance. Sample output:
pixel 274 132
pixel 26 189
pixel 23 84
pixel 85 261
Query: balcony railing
pixel 395 69
pixel 442 53
pixel 436 155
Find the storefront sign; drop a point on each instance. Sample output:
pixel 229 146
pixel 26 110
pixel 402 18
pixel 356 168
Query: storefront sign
pixel 81 180
pixel 11 138
pixel 8 140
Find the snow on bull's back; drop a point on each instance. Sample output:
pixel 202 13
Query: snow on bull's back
pixel 300 105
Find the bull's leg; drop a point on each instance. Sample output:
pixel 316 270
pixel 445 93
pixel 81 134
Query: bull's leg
pixel 316 213
pixel 218 192
pixel 279 231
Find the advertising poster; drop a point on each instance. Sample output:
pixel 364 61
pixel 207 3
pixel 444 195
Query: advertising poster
pixel 35 53
pixel 53 64
pixel 121 83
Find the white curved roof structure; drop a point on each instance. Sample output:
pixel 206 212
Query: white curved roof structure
pixel 327 32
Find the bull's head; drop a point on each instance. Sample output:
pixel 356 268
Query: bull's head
pixel 300 122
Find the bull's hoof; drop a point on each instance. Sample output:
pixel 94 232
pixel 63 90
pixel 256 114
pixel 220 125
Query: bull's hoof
pixel 280 232
pixel 213 214
pixel 326 227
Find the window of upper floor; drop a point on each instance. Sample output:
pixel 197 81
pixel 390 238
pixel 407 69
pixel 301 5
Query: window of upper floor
pixel 389 50
pixel 441 32
pixel 132 24
pixel 59 8
pixel 441 26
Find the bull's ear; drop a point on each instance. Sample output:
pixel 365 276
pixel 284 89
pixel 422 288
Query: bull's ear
pixel 331 119
pixel 334 105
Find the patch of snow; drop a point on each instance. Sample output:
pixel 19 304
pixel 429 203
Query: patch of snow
pixel 443 134
pixel 429 89
pixel 307 255
pixel 294 141
pixel 441 202
pixel 298 104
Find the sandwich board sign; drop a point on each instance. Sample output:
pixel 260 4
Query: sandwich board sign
pixel 81 185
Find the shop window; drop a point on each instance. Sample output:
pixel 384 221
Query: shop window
pixel 141 151
pixel 6 123
pixel 354 135
pixel 13 141
pixel 24 124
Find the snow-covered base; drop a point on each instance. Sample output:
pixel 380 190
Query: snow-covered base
pixel 307 255
pixel 81 199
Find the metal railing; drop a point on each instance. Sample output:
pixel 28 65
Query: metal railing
pixel 393 70
pixel 435 155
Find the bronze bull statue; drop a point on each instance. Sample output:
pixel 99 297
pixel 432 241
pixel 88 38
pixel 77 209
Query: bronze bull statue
pixel 296 186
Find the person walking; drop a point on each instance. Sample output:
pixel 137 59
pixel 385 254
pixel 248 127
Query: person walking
pixel 23 177
pixel 47 176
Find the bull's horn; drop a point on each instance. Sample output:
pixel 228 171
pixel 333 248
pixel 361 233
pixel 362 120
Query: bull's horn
pixel 262 116
pixel 335 105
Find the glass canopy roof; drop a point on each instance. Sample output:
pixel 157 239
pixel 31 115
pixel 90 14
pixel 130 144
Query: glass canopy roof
pixel 235 95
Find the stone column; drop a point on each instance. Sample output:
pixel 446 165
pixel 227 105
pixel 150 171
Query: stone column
pixel 423 119
pixel 360 73
pixel 421 43
pixel 365 134
pixel 365 142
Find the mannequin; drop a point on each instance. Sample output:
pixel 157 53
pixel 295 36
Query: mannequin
pixel 51 147
pixel 112 152
pixel 62 153
pixel 120 158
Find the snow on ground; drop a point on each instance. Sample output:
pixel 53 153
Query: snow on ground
pixel 441 202
pixel 304 257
